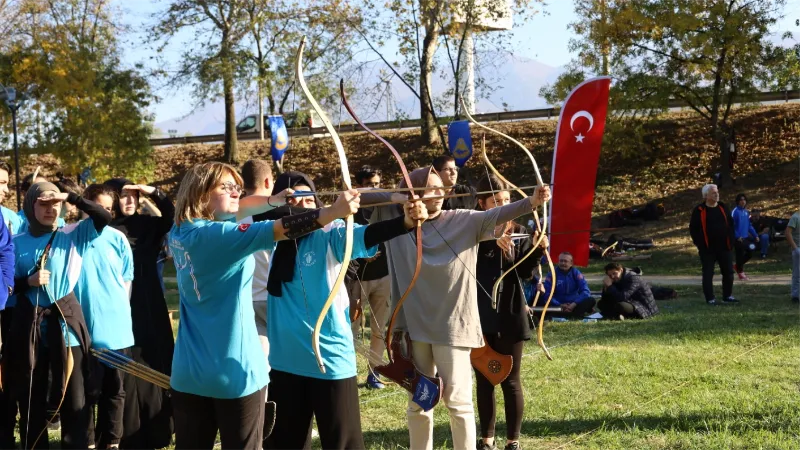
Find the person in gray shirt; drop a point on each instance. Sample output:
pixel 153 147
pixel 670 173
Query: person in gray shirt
pixel 441 311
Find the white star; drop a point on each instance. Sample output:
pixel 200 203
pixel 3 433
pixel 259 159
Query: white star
pixel 579 138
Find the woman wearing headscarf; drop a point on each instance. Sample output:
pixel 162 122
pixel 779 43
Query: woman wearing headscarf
pixel 147 420
pixel 441 313
pixel 301 274
pixel 48 266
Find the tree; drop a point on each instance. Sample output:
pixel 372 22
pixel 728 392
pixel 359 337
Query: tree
pixel 88 110
pixel 707 53
pixel 211 62
pixel 417 26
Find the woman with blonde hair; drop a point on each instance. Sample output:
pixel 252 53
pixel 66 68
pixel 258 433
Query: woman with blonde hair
pixel 219 375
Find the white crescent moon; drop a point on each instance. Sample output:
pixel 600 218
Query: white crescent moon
pixel 581 114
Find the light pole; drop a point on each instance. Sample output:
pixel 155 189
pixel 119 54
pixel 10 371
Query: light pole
pixel 9 96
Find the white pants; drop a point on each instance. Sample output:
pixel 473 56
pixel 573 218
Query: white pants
pixel 455 369
pixel 260 309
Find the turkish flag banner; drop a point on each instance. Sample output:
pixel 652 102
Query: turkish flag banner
pixel 579 137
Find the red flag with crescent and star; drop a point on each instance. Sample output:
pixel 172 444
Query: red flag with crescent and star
pixel 579 137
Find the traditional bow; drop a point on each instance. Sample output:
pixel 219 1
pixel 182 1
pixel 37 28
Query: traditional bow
pixel 404 171
pixel 348 247
pixel 540 227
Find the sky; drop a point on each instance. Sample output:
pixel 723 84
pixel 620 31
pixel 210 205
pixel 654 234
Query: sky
pixel 544 39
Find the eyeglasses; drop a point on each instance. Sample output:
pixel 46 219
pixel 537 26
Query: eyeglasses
pixel 230 188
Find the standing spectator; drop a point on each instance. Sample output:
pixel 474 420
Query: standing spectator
pixel 626 295
pixel 712 234
pixel 762 226
pixel 742 230
pixel 372 282
pixel 10 218
pixel 445 167
pixel 793 237
pixel 572 292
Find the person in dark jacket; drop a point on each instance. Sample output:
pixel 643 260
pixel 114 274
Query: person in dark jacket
pixel 147 418
pixel 572 292
pixel 446 167
pixel 711 229
pixel 626 295
pixel 506 327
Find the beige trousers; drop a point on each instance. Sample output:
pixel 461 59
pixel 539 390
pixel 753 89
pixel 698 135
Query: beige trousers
pixel 376 292
pixel 455 369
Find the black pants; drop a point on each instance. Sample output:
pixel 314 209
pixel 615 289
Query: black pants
pixel 743 253
pixel 708 259
pixel 8 406
pixel 240 421
pixel 74 412
pixel 610 307
pixel 109 396
pixel 512 391
pixel 581 309
pixel 147 417
pixel 298 399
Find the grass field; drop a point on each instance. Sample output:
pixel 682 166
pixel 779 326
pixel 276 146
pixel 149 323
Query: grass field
pixel 695 376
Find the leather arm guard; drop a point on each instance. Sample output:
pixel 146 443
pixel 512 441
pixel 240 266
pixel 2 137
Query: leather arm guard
pixel 299 225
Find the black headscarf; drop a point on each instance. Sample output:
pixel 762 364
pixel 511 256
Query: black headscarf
pixel 117 184
pixel 283 258
pixel 35 228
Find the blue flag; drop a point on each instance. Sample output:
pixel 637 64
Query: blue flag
pixel 280 137
pixel 459 141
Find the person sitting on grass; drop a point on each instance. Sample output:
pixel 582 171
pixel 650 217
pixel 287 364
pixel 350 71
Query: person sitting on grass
pixel 625 295
pixel 572 292
pixel 762 225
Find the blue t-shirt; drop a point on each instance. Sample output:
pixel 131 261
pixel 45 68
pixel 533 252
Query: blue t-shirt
pixel 103 290
pixel 22 227
pixel 64 263
pixel 11 219
pixel 217 352
pixel 317 264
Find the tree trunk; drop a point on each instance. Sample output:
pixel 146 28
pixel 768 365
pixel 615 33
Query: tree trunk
pixel 725 175
pixel 429 132
pixel 231 150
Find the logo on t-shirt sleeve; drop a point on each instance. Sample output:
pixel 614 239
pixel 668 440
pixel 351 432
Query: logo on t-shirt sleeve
pixel 243 227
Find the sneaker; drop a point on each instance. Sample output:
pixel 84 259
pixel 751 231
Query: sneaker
pixel 795 299
pixel 731 300
pixel 763 255
pixel 743 276
pixel 512 446
pixel 373 382
pixel 712 302
pixel 484 446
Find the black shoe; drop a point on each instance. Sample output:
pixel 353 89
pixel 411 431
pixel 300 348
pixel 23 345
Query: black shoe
pixel 731 300
pixel 484 446
pixel 712 302
pixel 512 446
pixel 795 300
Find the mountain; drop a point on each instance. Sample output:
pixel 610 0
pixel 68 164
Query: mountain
pixel 516 83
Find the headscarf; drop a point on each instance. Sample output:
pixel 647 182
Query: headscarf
pixel 35 228
pixel 117 184
pixel 283 258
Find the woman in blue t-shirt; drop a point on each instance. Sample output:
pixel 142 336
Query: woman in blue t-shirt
pixel 300 280
pixel 48 265
pixel 219 375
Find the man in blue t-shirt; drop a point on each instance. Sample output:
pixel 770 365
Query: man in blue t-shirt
pixel 103 291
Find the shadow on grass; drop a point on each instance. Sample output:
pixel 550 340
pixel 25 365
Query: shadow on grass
pixel 398 437
pixel 773 421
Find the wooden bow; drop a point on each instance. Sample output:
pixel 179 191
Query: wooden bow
pixel 542 228
pixel 348 247
pixel 404 171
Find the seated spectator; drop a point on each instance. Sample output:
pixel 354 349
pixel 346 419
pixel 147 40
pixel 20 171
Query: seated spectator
pixel 572 292
pixel 762 225
pixel 625 295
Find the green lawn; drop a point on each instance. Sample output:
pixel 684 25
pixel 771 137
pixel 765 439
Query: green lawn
pixel 695 376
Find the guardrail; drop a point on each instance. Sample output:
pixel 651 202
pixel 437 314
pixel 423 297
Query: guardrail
pixel 544 113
